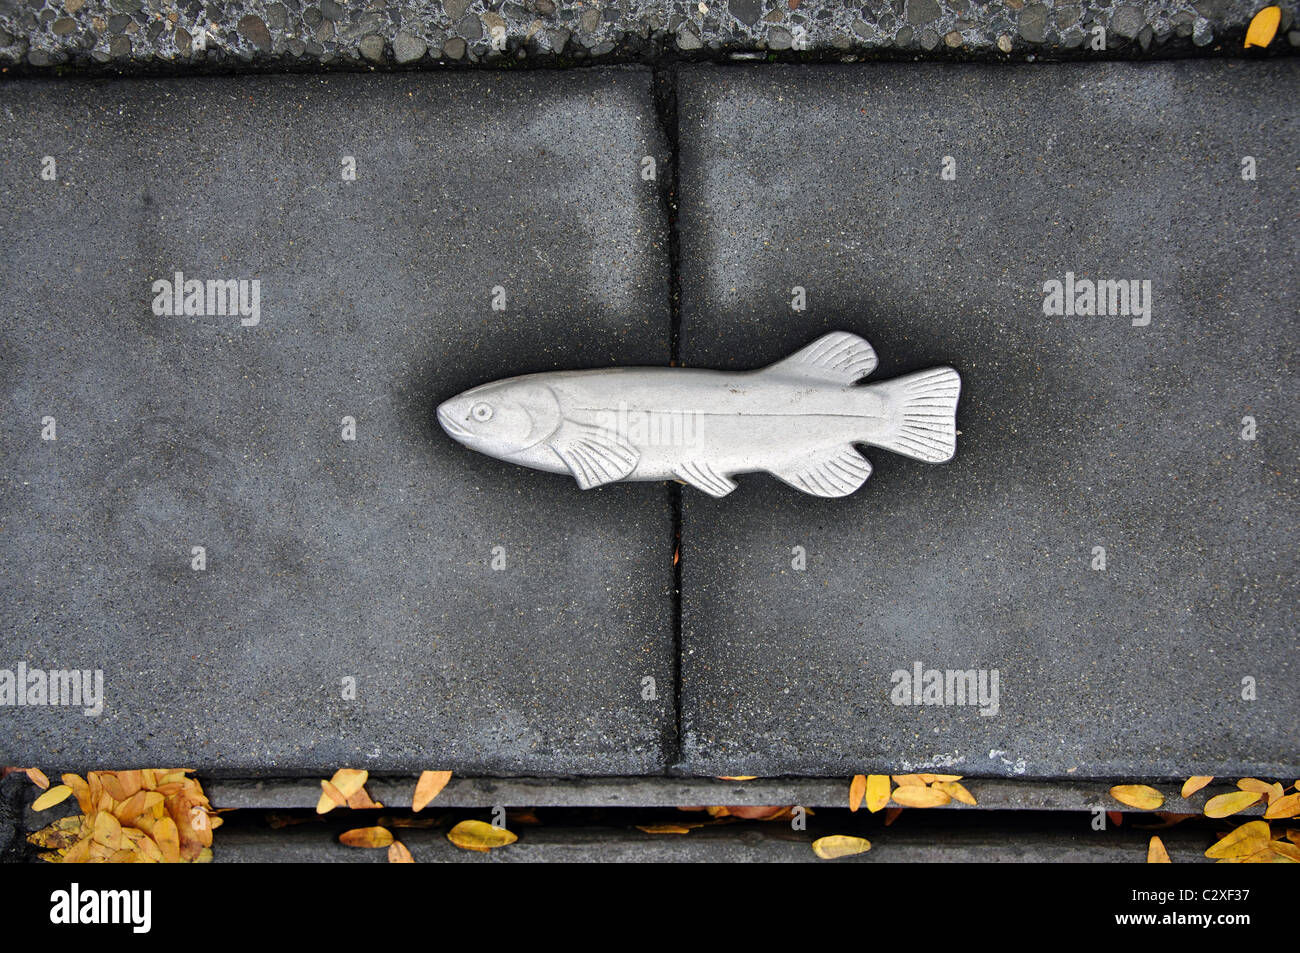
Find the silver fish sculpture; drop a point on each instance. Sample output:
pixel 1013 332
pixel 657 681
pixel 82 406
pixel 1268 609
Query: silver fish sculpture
pixel 797 419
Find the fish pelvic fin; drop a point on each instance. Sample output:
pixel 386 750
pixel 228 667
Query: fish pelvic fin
pixel 835 358
pixel 834 472
pixel 594 455
pixel 922 409
pixel 703 477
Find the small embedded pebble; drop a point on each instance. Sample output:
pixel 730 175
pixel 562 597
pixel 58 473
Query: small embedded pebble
pixel 408 48
pixel 372 47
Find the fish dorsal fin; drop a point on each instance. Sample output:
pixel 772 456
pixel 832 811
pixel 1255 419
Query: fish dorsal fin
pixel 703 477
pixel 835 358
pixel 834 472
pixel 594 455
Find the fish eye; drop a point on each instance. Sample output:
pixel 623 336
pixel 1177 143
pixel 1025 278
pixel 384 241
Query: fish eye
pixel 481 412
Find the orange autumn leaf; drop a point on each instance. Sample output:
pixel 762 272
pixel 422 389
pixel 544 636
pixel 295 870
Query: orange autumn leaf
pixel 1156 853
pixel 1195 783
pixel 37 777
pixel 367 837
pixel 667 828
pixel 891 814
pixel 1284 807
pixel 857 791
pixel 429 787
pixel 738 777
pixel 1263 27
pixel 398 853
pixel 80 789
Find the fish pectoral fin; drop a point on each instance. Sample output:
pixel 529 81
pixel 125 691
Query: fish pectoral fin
pixel 834 472
pixel 835 358
pixel 703 477
pixel 594 456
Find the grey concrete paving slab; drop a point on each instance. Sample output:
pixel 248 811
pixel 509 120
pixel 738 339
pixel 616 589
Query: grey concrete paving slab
pixel 809 626
pixel 371 593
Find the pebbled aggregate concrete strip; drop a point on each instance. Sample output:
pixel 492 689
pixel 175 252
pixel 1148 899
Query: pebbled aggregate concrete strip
pixel 216 36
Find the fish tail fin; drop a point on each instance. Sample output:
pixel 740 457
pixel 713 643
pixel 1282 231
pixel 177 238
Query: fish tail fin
pixel 922 411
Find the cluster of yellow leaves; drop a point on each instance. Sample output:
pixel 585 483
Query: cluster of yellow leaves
pixel 154 815
pixel 1255 842
pixel 1263 27
pixel 1252 842
pixel 914 790
pixel 347 789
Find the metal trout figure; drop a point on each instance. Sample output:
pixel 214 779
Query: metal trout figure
pixel 797 419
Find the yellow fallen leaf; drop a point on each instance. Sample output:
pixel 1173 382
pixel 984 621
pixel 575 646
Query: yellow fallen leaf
pixel 738 777
pixel 349 780
pixel 55 795
pixel 1254 784
pixel 1242 842
pixel 149 849
pixel 956 791
pixel 1288 806
pixel 1225 805
pixel 1142 796
pixel 480 836
pixel 58 836
pixel 81 789
pixel 1156 853
pixel 398 854
pixel 668 828
pixel 840 845
pixel 367 837
pixel 1263 27
pixel 330 798
pixel 360 800
pixel 1195 783
pixel 168 838
pixel 429 787
pixel 857 790
pixel 108 830
pixel 877 792
pixel 1289 851
pixel 918 795
pixel 909 780
pixel 932 778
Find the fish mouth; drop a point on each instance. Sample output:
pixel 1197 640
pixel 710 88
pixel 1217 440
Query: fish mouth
pixel 450 426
